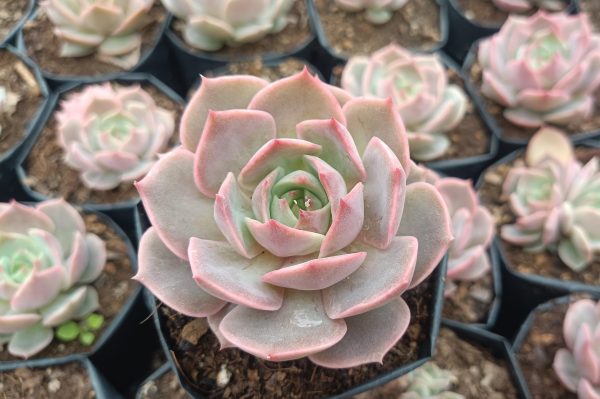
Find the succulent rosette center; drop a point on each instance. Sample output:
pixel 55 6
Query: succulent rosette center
pixel 270 222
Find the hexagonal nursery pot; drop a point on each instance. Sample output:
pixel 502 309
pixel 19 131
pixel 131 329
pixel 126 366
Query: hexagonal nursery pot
pixel 26 7
pixel 118 203
pixel 74 378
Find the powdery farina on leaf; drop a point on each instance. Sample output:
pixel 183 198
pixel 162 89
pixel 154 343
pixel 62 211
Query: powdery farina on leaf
pixel 578 365
pixel 47 262
pixel 419 88
pixel 110 29
pixel 542 69
pixel 211 24
pixel 286 219
pixel 376 11
pixel 112 134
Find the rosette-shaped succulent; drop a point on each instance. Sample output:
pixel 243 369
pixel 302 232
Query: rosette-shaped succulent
pixel 429 382
pixel 521 6
pixel 112 134
pixel 542 69
pixel 418 85
pixel 47 261
pixel 270 222
pixel 578 365
pixel 376 11
pixel 211 24
pixel 111 29
pixel 556 201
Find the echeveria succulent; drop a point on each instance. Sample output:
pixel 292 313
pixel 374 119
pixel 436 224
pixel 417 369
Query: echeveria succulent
pixel 429 382
pixel 376 11
pixel 210 24
pixel 556 201
pixel 112 134
pixel 47 262
pixel 578 365
pixel 111 29
pixel 542 69
pixel 418 85
pixel 269 222
pixel 521 6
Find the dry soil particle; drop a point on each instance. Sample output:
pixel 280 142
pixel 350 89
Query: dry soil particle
pixel 196 351
pixel 511 131
pixel 164 387
pixel 11 12
pixel 416 26
pixel 592 9
pixel 48 175
pixel 114 288
pixel 69 380
pixel 296 33
pixel 546 263
pixel 44 47
pixel 484 12
pixel 471 302
pixel 16 77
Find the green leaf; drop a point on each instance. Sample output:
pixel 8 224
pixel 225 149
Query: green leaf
pixel 68 332
pixel 87 338
pixel 94 321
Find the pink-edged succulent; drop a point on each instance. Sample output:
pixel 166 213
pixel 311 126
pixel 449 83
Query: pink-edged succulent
pixel 112 134
pixel 555 200
pixel 268 221
pixel 376 11
pixel 522 6
pixel 578 365
pixel 211 24
pixel 542 69
pixel 47 262
pixel 418 85
pixel 110 29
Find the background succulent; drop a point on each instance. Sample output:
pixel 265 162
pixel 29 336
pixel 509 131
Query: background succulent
pixel 376 11
pixel 521 6
pixel 419 88
pixel 210 24
pixel 429 382
pixel 47 261
pixel 548 75
pixel 112 134
pixel 290 242
pixel 578 365
pixel 110 29
pixel 556 201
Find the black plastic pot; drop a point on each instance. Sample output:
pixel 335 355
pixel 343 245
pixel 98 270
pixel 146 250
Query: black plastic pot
pixel 152 61
pixel 506 145
pixel 326 58
pixel 192 63
pixel 122 212
pixel 10 158
pixel 103 389
pixel 10 37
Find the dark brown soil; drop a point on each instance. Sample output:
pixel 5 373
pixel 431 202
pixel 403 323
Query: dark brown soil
pixel 484 12
pixel 592 9
pixel 471 302
pixel 166 386
pixel 416 26
pixel 14 126
pixel 546 263
pixel 251 377
pixel 50 176
pixel 510 131
pixel 114 288
pixel 69 380
pixel 11 12
pixel 480 374
pixel 44 47
pixel 295 34
pixel 536 354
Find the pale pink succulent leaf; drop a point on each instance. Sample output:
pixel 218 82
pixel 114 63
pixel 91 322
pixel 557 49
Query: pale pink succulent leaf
pixel 90 303
pixel 214 320
pixel 566 369
pixel 317 221
pixel 28 342
pixel 261 198
pixel 586 358
pixel 586 390
pixel 549 143
pixel 39 289
pixel 11 323
pixel 575 251
pixel 78 260
pixel 284 241
pixel 457 193
pixel 579 313
pixel 17 218
pixel 67 221
pixel 331 180
pixel 64 307
pixel 96 258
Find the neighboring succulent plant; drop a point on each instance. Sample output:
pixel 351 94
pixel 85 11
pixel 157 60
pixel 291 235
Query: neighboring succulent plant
pixel 288 241
pixel 429 382
pixel 556 201
pixel 521 6
pixel 8 102
pixel 376 11
pixel 548 75
pixel 47 262
pixel 211 24
pixel 108 28
pixel 418 85
pixel 578 366
pixel 112 134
